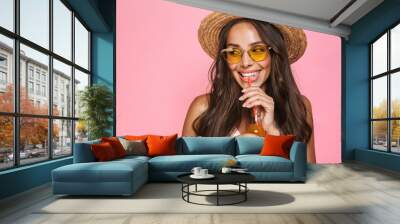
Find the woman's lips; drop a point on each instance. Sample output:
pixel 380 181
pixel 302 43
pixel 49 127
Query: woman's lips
pixel 249 76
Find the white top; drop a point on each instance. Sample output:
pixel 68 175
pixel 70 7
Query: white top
pixel 235 133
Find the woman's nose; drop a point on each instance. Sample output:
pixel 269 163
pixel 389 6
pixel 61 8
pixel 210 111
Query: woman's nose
pixel 246 60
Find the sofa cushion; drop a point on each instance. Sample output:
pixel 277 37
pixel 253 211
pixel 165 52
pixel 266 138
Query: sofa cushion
pixel 207 145
pixel 249 145
pixel 111 171
pixel 257 163
pixel 185 163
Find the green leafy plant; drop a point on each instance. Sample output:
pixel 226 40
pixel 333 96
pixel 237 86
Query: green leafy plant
pixel 96 102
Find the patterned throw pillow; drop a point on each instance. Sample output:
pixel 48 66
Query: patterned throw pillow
pixel 134 147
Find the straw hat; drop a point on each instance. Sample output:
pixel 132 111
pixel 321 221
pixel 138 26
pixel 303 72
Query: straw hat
pixel 211 26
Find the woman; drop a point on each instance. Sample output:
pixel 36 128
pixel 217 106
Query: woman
pixel 245 49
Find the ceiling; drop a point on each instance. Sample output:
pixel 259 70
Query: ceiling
pixel 326 16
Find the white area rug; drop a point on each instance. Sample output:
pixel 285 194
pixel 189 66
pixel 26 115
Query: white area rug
pixel 166 198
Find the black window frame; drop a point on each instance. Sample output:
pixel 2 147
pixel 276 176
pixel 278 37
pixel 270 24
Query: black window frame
pixel 388 74
pixel 16 115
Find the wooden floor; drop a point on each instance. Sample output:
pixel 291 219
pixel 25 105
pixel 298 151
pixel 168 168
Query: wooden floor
pixel 378 188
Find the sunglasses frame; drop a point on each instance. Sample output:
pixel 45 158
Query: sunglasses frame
pixel 241 49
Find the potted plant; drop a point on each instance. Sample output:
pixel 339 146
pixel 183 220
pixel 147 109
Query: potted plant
pixel 96 102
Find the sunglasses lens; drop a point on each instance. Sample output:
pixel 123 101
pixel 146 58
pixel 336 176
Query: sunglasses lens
pixel 233 56
pixel 258 53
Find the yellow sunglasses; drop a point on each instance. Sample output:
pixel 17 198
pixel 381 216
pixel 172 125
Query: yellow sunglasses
pixel 257 53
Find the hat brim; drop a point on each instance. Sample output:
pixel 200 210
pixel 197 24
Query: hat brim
pixel 211 26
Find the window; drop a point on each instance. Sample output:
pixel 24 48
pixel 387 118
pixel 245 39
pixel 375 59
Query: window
pixel 38 74
pixel 43 90
pixel 3 78
pixel 30 72
pixel 3 71
pixel 48 113
pixel 30 87
pixel 37 89
pixel 3 61
pixel 385 91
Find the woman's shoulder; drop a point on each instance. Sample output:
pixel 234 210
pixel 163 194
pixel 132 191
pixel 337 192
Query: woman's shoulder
pixel 200 103
pixel 306 102
pixel 198 106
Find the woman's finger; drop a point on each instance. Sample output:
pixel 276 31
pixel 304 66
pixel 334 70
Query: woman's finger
pixel 254 92
pixel 258 100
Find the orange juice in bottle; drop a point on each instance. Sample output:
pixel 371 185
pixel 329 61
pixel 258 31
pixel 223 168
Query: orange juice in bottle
pixel 255 122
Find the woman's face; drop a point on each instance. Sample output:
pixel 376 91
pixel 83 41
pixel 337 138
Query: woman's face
pixel 244 35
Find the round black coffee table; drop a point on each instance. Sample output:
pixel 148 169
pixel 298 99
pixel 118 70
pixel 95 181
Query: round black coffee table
pixel 238 179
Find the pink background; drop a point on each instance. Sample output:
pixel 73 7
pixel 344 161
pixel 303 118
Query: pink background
pixel 161 68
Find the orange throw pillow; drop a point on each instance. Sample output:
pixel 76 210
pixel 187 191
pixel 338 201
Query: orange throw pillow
pixel 134 137
pixel 161 145
pixel 116 145
pixel 277 145
pixel 103 151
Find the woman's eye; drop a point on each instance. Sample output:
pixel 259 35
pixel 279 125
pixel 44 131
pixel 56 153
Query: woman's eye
pixel 235 52
pixel 259 50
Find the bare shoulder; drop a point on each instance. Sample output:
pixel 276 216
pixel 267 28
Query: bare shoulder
pixel 200 103
pixel 198 106
pixel 306 102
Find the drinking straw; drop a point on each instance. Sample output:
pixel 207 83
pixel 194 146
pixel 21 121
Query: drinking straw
pixel 249 82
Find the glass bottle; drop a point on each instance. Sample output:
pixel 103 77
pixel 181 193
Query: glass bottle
pixel 255 123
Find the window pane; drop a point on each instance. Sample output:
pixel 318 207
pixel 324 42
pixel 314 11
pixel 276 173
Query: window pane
pixel 6 142
pixel 6 74
pixel 62 137
pixel 34 79
pixel 62 89
pixel 35 21
pixel 81 45
pixel 62 29
pixel 379 100
pixel 33 140
pixel 379 55
pixel 395 94
pixel 395 47
pixel 7 14
pixel 379 135
pixel 395 136
pixel 81 131
pixel 81 81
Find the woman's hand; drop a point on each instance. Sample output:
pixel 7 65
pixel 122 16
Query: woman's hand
pixel 255 96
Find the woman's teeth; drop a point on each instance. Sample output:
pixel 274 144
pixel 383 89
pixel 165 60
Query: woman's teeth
pixel 251 74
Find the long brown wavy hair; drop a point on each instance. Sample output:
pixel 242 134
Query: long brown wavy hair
pixel 224 109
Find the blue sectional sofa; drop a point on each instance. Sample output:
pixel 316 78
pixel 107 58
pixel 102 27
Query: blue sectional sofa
pixel 125 176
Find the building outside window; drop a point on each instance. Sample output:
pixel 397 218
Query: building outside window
pixel 385 91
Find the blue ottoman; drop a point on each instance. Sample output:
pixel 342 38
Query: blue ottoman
pixel 119 177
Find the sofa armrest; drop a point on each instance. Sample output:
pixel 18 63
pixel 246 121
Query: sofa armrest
pixel 83 152
pixel 298 155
